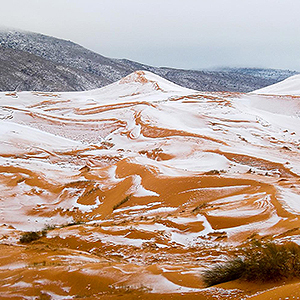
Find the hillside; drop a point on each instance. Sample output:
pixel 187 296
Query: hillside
pixel 140 186
pixel 24 71
pixel 85 69
pixel 289 86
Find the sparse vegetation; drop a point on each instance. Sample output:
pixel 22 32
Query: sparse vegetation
pixel 49 227
pixel 30 236
pixel 72 224
pixel 230 270
pixel 199 207
pixel 106 145
pixel 260 262
pixel 44 296
pixel 121 202
pixel 129 289
pixel 214 172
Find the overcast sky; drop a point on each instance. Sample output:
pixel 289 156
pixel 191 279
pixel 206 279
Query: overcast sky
pixel 192 34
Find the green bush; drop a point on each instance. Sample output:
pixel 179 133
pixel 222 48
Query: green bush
pixel 260 262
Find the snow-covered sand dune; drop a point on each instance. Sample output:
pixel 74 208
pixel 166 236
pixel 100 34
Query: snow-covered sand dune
pixel 151 172
pixel 289 86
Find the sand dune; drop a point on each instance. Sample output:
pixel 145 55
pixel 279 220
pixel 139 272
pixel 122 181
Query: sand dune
pixel 289 86
pixel 155 182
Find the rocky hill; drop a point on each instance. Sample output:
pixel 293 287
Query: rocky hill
pixel 33 61
pixel 21 70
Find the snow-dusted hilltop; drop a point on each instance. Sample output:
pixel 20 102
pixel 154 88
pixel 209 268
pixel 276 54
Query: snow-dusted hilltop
pixel 289 86
pixel 137 84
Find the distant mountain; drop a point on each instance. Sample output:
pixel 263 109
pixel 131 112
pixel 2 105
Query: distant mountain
pixel 21 70
pixel 233 80
pixel 265 76
pixel 33 61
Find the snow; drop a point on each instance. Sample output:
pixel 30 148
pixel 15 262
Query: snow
pixel 140 86
pixel 260 226
pixel 138 190
pixel 21 284
pixel 290 200
pixel 55 296
pixel 54 135
pixel 185 239
pixel 136 207
pixel 79 258
pixel 289 86
pixel 88 208
pixel 201 162
pixel 16 138
pixel 160 284
pixel 115 239
pixel 188 239
pixel 14 266
pixel 160 210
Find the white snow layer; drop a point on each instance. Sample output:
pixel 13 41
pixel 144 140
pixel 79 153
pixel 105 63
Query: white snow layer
pixel 289 86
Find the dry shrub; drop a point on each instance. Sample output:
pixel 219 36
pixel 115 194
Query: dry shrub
pixel 31 236
pixel 272 262
pixel 223 272
pixel 121 202
pixel 260 262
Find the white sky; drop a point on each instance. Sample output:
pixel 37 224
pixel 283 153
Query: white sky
pixel 191 34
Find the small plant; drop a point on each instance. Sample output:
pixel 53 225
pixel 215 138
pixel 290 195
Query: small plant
pixel 230 270
pixel 44 296
pixel 72 224
pixel 199 207
pixel 272 262
pixel 121 202
pixel 214 172
pixel 49 227
pixel 31 236
pixel 260 262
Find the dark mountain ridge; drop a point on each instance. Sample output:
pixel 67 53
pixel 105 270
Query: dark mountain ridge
pixel 33 61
